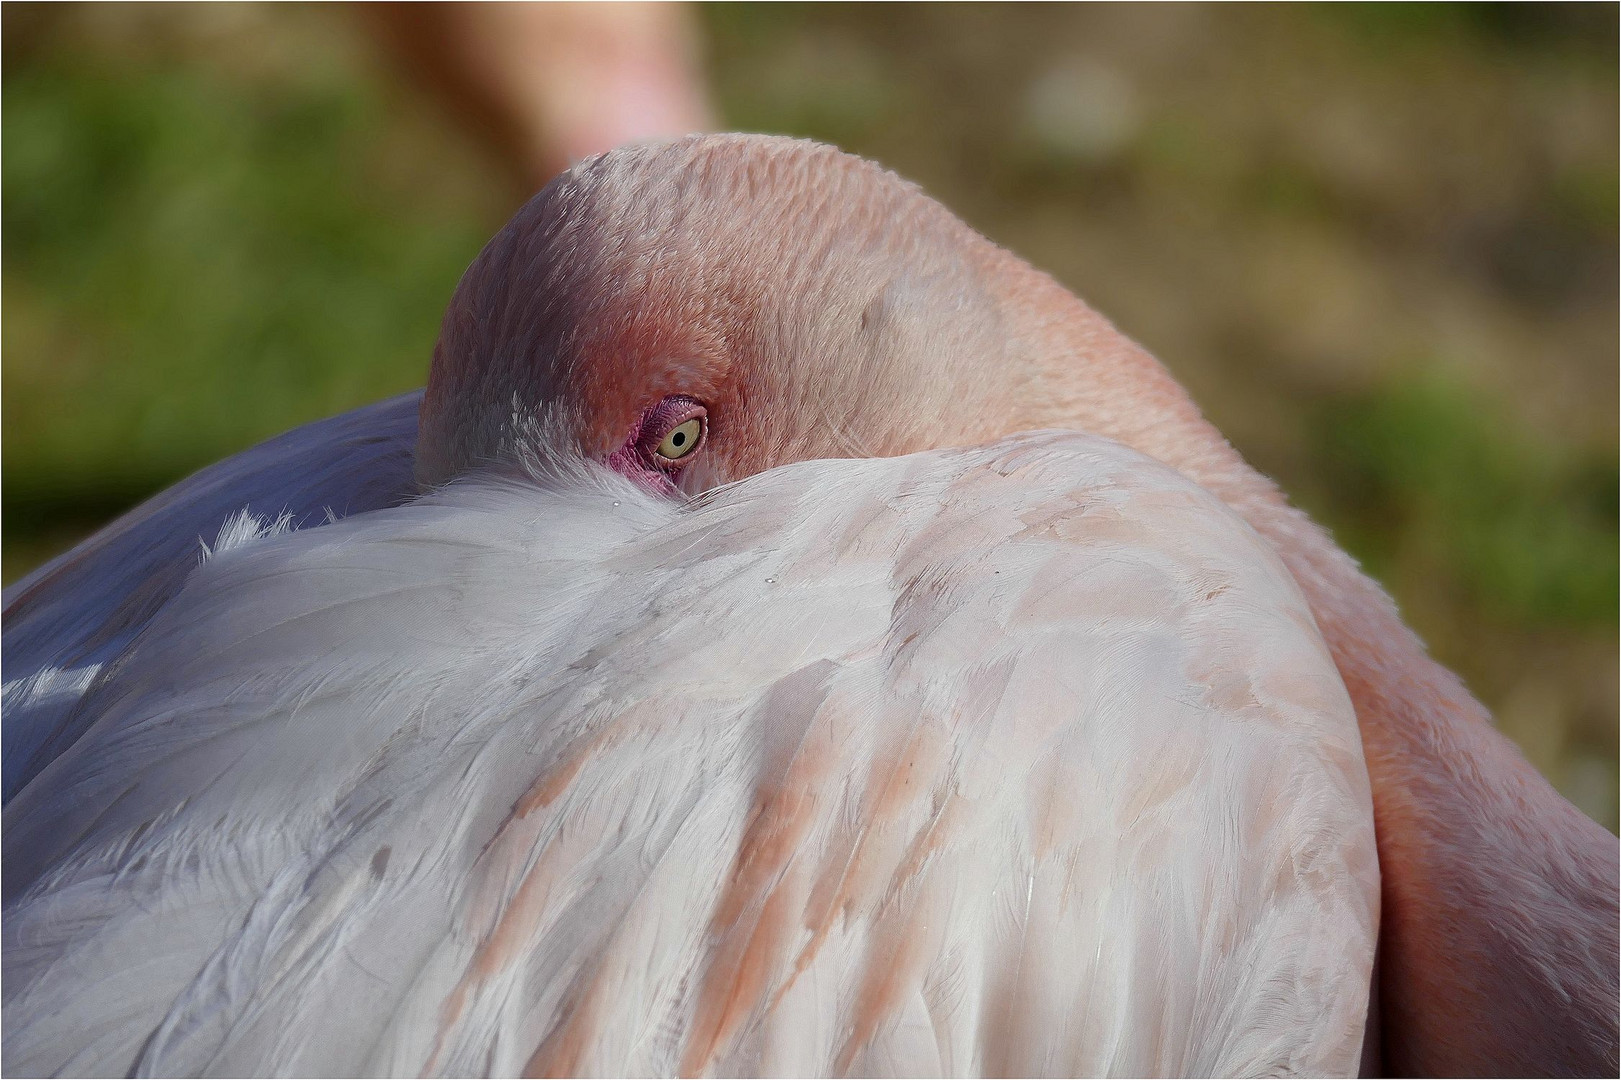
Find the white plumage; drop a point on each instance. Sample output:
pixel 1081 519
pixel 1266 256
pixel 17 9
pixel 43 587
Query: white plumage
pixel 1024 759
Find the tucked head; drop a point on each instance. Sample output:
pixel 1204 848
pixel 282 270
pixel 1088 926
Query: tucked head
pixel 695 312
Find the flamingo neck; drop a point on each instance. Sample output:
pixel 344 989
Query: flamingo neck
pixel 1499 913
pixel 1499 933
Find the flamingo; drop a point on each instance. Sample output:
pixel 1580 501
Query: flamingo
pixel 789 634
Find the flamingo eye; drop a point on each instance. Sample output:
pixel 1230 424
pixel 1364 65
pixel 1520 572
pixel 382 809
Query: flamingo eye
pixel 682 440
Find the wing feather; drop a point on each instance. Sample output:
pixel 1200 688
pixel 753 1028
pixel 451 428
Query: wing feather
pixel 1019 759
pixel 65 621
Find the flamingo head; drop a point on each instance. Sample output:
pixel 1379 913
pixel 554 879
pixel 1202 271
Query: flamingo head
pixel 695 312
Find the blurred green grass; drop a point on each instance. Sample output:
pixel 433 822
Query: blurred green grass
pixel 1377 242
pixel 197 258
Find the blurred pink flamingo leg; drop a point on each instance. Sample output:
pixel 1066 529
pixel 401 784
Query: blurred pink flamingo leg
pixel 550 84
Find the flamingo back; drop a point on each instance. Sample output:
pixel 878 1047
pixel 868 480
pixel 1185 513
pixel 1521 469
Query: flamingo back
pixel 1021 759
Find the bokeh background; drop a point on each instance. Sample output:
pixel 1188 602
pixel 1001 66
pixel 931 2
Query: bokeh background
pixel 1378 243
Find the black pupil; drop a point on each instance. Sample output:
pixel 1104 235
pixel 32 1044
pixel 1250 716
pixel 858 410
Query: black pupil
pixel 678 439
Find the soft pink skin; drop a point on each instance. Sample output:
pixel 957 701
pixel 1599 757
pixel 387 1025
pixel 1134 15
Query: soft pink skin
pixel 820 307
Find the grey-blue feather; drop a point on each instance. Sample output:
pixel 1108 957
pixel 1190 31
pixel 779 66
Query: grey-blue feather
pixel 66 621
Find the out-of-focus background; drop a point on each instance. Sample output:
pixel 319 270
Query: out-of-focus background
pixel 1378 243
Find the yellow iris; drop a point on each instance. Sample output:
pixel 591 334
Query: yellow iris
pixel 681 441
